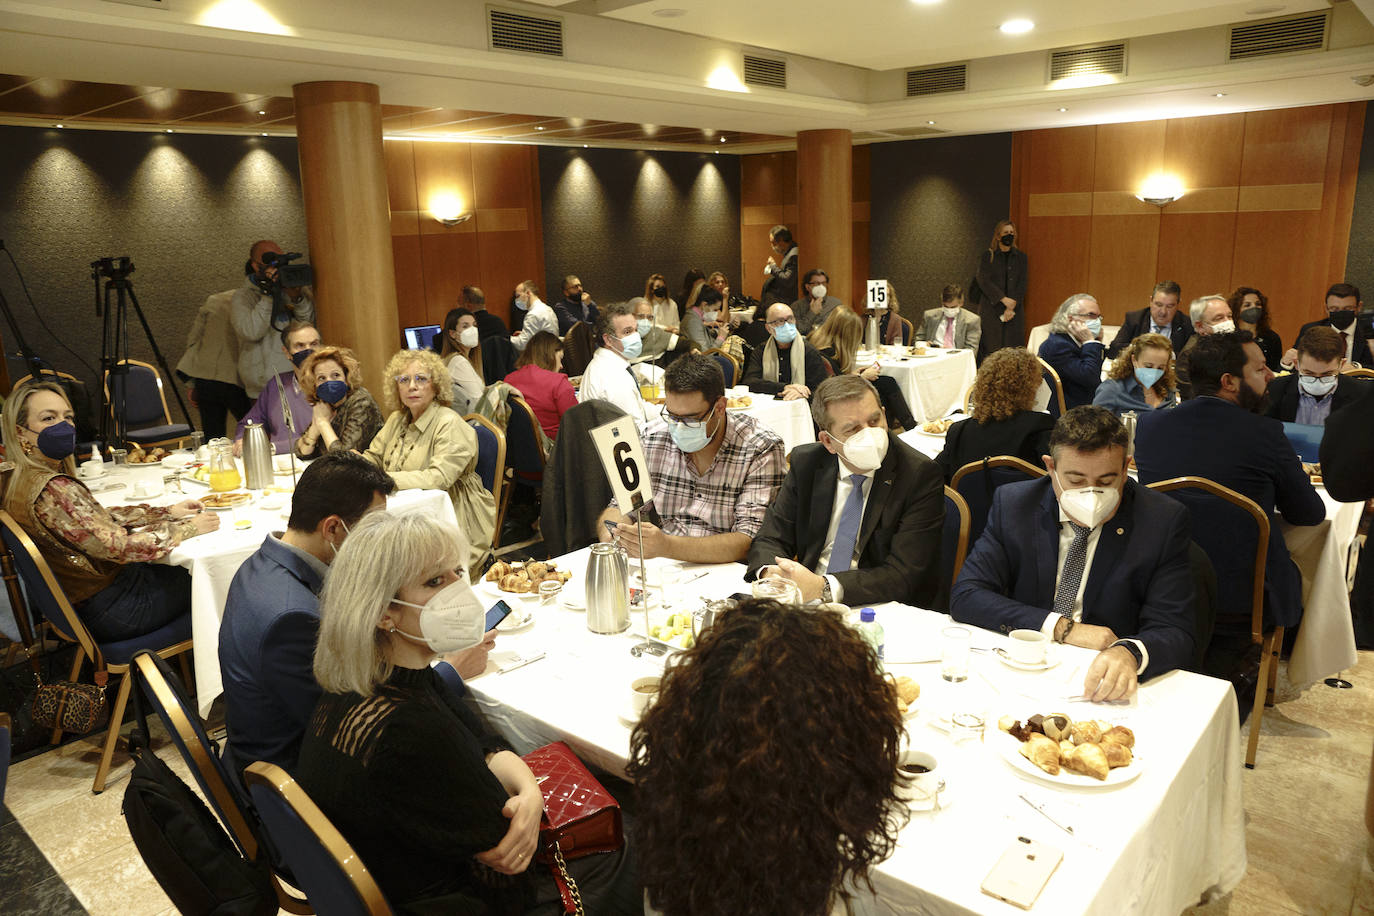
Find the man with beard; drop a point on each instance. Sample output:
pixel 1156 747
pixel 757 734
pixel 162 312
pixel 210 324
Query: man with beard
pixel 1221 435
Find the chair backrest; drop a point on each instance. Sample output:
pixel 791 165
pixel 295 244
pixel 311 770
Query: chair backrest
pixel 498 358
pixel 954 540
pixel 1056 386
pixel 165 697
pixel 977 481
pixel 334 879
pixel 42 589
pixel 491 453
pixel 728 366
pixel 139 393
pixel 5 729
pixel 524 448
pixel 908 330
pixel 578 348
pixel 1038 335
pixel 1352 372
pixel 1234 533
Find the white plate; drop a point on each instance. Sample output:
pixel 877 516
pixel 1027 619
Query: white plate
pixel 518 619
pixel 1051 659
pixel 572 600
pixel 926 355
pixel 175 462
pixel 932 435
pixel 1010 749
pixel 493 590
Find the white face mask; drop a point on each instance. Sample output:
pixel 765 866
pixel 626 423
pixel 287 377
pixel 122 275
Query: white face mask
pixel 818 291
pixel 865 450
pixel 1087 505
pixel 451 620
pixel 710 316
pixel 951 312
pixel 468 337
pixel 1317 387
pixel 1224 327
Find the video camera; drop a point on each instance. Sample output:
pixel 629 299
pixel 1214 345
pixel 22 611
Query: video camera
pixel 289 276
pixel 112 268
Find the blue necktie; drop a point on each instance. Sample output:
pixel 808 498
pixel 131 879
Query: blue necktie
pixel 847 532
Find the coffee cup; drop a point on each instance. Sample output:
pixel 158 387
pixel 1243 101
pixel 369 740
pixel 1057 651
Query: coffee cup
pixel 918 780
pixel 643 691
pixel 146 489
pixel 90 469
pixel 1026 647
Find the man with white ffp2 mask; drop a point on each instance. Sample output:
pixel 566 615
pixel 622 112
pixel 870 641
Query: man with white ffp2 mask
pixel 816 303
pixel 1088 557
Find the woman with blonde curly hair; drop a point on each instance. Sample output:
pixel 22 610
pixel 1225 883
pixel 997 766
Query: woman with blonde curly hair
pixel 1004 419
pixel 775 679
pixel 1142 377
pixel 426 446
pixel 345 417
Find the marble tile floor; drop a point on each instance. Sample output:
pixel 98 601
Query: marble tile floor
pixel 1308 850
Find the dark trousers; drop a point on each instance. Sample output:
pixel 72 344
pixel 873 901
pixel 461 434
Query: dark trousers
pixel 215 400
pixel 998 333
pixel 142 598
pixel 894 402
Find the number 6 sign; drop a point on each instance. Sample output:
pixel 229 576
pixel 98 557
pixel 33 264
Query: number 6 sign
pixel 617 444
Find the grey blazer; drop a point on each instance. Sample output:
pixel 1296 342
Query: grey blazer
pixel 967 328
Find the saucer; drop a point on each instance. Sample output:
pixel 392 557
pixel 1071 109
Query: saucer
pixel 946 797
pixel 517 620
pixel 1051 659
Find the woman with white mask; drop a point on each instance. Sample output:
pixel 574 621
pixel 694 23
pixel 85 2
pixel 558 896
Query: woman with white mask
pixel 443 814
pixel 462 354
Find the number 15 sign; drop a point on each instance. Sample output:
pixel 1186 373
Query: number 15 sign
pixel 617 444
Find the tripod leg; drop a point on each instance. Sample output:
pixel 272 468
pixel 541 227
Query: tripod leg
pixel 157 355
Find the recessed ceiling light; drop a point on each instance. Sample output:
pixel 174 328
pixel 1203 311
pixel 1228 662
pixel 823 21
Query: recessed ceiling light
pixel 169 130
pixel 1016 26
pixel 537 127
pixel 722 139
pixel 926 2
pixel 670 12
pixel 1062 110
pixel 931 123
pixel 264 133
pixel 262 112
pixel 58 126
pixel 584 146
pixel 1220 95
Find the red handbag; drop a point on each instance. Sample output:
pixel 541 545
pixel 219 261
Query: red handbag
pixel 580 816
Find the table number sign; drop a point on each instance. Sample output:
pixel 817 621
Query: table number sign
pixel 617 444
pixel 877 294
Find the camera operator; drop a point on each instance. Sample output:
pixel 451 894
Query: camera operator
pixel 258 328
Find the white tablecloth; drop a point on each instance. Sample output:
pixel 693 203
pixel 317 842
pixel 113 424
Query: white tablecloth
pixel 212 559
pixel 789 419
pixel 933 385
pixel 1154 845
pixel 1325 643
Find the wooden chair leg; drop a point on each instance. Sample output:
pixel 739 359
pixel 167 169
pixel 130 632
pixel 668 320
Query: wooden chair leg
pixel 71 676
pixel 1269 656
pixel 112 737
pixel 1276 648
pixel 185 660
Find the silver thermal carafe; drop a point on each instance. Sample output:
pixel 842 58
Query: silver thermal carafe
pixel 608 590
pixel 257 456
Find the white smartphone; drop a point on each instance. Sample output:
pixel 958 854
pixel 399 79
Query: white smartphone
pixel 1022 872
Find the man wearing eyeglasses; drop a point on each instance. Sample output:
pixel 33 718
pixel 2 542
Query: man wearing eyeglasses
pixel 713 472
pixel 786 366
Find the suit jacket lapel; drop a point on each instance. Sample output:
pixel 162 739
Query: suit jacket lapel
pixel 879 494
pixel 1046 538
pixel 822 505
pixel 1111 547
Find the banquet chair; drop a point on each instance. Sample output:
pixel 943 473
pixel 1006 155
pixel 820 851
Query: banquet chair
pixel 1234 533
pixel 578 348
pixel 1038 335
pixel 334 879
pixel 498 359
pixel 5 729
pixel 953 544
pixel 525 459
pixel 1056 387
pixel 728 366
pixel 491 465
pixel 137 386
pixel 908 331
pixel 111 658
pixel 1353 372
pixel 165 696
pixel 81 406
pixel 977 480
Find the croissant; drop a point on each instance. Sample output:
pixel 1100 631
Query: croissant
pixel 1120 734
pixel 1118 755
pixel 498 571
pixel 908 689
pixel 1088 759
pixel 1086 732
pixel 513 583
pixel 537 570
pixel 1058 726
pixel 1042 752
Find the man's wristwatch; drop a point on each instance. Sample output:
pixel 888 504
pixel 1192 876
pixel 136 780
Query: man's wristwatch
pixel 1131 648
pixel 827 594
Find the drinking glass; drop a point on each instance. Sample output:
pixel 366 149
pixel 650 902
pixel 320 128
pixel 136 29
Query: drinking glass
pixel 777 588
pixel 954 652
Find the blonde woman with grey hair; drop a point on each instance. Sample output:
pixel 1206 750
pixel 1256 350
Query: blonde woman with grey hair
pixel 425 445
pixel 1074 349
pixel 442 812
pixel 102 558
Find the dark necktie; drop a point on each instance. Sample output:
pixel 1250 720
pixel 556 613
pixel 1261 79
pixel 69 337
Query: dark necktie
pixel 1069 580
pixel 847 531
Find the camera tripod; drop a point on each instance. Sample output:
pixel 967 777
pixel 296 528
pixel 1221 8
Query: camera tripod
pixel 114 346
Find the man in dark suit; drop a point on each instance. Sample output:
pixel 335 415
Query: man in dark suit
pixel 1342 308
pixel 1161 317
pixel 858 519
pixel 1074 350
pixel 1220 435
pixel 1089 558
pixel 780 284
pixel 1309 395
pixel 488 325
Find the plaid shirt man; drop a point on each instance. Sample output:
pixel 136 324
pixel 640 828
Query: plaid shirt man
pixel 732 495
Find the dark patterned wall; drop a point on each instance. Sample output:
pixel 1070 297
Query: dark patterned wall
pixel 934 203
pixel 613 217
pixel 185 207
pixel 1359 259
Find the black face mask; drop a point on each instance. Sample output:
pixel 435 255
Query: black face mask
pixel 660 292
pixel 1342 318
pixel 1251 315
pixel 1007 239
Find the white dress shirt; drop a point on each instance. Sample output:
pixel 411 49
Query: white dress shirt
pixel 843 489
pixel 1065 540
pixel 610 377
pixel 539 317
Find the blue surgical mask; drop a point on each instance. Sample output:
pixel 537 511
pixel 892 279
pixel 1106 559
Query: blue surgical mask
pixel 644 325
pixel 631 345
pixel 57 441
pixel 1310 384
pixel 1148 377
pixel 786 333
pixel 332 391
pixel 1094 325
pixel 691 437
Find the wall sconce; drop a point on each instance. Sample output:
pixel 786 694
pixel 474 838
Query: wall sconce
pixel 1160 189
pixel 449 210
pixel 453 220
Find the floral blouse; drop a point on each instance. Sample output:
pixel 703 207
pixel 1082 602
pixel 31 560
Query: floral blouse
pixel 123 534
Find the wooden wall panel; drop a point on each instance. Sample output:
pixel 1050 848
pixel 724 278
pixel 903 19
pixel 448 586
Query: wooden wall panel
pixel 1195 251
pixel 1204 152
pixel 862 185
pixel 1124 155
pixel 1059 259
pixel 768 197
pixel 1286 146
pixel 1122 255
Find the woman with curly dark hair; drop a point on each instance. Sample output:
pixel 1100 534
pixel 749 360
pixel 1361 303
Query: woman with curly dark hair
pixel 749 799
pixel 1004 419
pixel 1251 310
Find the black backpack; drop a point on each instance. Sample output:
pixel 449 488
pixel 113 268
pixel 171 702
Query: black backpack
pixel 183 844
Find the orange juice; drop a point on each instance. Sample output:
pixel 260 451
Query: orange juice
pixel 223 480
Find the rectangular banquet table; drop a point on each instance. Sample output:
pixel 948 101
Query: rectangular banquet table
pixel 213 558
pixel 934 385
pixel 1154 845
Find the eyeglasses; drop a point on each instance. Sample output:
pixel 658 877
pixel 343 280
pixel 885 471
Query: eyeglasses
pixel 405 380
pixel 689 422
pixel 774 325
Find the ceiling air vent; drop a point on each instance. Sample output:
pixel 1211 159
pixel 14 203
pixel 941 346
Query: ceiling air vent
pixel 525 33
pixel 765 71
pixel 1088 62
pixel 933 80
pixel 1279 36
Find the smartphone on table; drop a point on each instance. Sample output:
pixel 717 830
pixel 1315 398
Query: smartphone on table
pixel 1022 872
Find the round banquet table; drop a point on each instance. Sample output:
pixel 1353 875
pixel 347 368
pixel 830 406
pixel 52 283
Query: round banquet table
pixel 933 385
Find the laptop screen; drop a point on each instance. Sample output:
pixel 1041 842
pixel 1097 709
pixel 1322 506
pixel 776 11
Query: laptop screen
pixel 420 338
pixel 1307 440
